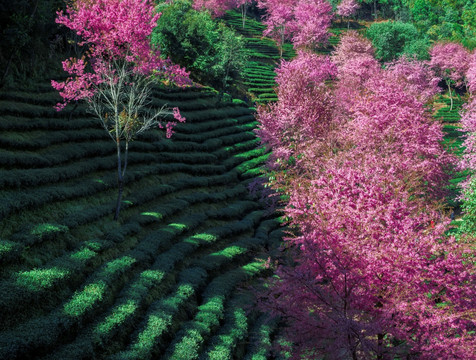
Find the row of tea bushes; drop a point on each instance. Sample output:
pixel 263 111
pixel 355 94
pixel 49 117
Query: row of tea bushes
pixel 78 284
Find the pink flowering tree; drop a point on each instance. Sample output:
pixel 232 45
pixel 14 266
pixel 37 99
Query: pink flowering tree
pixel 450 61
pixel 417 77
pixel 217 8
pixel 468 121
pixel 356 63
pixel 296 118
pixel 312 18
pixel 373 278
pixel 468 160
pixel 471 73
pixel 116 75
pixel 304 22
pixel 368 271
pixel 347 8
pixel 279 15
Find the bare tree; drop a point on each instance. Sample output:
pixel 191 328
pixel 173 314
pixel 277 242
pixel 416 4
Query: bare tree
pixel 122 102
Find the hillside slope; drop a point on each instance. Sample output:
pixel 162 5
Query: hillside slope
pixel 164 281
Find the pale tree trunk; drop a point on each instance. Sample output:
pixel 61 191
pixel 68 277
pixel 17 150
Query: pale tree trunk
pixel 282 43
pixel 243 14
pixel 451 97
pixel 375 9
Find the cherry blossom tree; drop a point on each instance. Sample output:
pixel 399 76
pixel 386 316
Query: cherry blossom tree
pixel 468 126
pixel 304 22
pixel 217 8
pixel 471 74
pixel 450 62
pixel 418 78
pixel 354 57
pixel 368 271
pixel 312 18
pixel 297 117
pixel 116 74
pixel 347 8
pixel 279 16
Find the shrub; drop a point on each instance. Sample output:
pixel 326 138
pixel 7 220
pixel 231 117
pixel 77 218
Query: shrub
pixel 390 38
pixel 211 51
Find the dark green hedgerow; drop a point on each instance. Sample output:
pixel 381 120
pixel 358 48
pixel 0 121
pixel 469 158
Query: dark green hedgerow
pixel 43 332
pixel 72 263
pixel 210 114
pixel 244 157
pixel 28 237
pixel 219 133
pixel 261 338
pixel 128 229
pixel 160 320
pixel 190 340
pixel 14 123
pixel 232 333
pixel 191 128
pixel 41 139
pixel 80 188
pixel 28 110
pixel 46 98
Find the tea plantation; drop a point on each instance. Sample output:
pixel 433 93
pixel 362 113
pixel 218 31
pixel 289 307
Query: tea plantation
pixel 165 281
pixel 171 279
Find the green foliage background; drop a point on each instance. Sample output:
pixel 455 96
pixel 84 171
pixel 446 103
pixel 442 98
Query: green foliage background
pixel 213 53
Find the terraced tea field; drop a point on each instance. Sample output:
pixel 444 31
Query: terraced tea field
pixel 164 282
pixel 453 139
pixel 263 58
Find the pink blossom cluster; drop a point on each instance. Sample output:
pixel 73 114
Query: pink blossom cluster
pixel 418 78
pixel 169 126
pixel 468 122
pixel 77 87
pixel 471 74
pixel 369 271
pixel 112 31
pixel 356 64
pixel 297 117
pixel 304 22
pixel 217 8
pixel 450 61
pixel 347 8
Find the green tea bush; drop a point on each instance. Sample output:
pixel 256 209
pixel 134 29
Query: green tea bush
pixel 261 338
pixel 391 38
pixel 162 315
pixel 15 123
pixel 211 51
pixel 233 331
pixel 42 139
pixel 190 340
